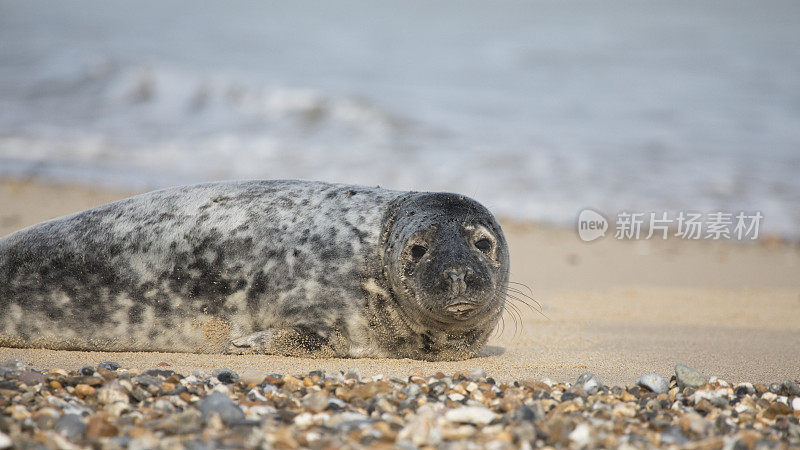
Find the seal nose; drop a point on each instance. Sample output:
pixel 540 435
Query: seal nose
pixel 455 279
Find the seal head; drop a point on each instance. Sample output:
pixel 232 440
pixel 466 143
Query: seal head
pixel 447 261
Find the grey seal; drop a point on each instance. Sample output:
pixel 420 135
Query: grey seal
pixel 271 266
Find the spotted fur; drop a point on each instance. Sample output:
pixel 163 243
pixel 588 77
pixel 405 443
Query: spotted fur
pixel 291 267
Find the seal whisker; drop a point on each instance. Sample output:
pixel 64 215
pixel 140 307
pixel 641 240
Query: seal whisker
pixel 512 296
pixel 522 294
pixel 515 314
pixel 523 285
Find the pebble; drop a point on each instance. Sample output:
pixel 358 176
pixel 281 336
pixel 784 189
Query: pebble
pixel 412 390
pixel 14 364
pixel 109 365
pixel 654 383
pixel 84 390
pixel 470 414
pixel 71 426
pixel 688 377
pixel 111 393
pixel 581 436
pixel 316 401
pixel 791 388
pixel 673 436
pixel 221 404
pixel 252 377
pixel 589 383
pixel 352 374
pixel 161 408
pixel 477 374
pixel 5 441
pixel 225 375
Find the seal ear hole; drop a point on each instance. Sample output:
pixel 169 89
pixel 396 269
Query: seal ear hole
pixel 418 251
pixel 483 245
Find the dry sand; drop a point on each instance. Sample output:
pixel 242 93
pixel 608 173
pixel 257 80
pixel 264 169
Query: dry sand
pixel 617 308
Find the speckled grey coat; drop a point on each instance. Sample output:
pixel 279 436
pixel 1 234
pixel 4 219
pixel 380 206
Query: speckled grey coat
pixel 292 267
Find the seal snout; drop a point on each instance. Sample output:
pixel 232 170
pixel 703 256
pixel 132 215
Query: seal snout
pixel 455 280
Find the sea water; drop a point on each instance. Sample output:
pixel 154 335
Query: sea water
pixel 536 108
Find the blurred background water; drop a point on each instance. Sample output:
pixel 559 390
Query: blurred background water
pixel 536 108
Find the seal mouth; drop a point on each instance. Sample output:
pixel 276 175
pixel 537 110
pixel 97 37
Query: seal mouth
pixel 461 307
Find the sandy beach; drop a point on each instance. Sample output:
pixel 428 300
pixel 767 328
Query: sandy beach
pixel 617 308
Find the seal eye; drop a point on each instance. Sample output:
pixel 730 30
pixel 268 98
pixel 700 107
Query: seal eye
pixel 418 251
pixel 483 245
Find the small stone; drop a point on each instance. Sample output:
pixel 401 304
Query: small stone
pixel 790 388
pixel 5 441
pixel 699 426
pixel 412 390
pixel 477 374
pixel 71 426
pixel 369 390
pixel 32 377
pixel 352 374
pixel 796 403
pixel 99 426
pixel 84 390
pixel 589 383
pixel 86 371
pixel 15 364
pixel 335 403
pixel 777 409
pixel 622 411
pixel 225 375
pixel 252 377
pixel 112 392
pixel 673 436
pixel 164 406
pixel 159 373
pixel 688 377
pixel 704 406
pixel 304 420
pixel 109 365
pixel 530 413
pixel 581 436
pixel 221 404
pixel 420 431
pixel 254 396
pixel 316 401
pixel 654 383
pixel 458 433
pixel 116 409
pixel 769 396
pixel 476 415
pixel 743 389
pixel 456 397
pixel 140 394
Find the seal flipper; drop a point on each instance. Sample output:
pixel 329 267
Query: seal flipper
pixel 295 341
pixel 253 342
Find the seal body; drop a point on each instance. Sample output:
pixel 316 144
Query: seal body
pixel 285 267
